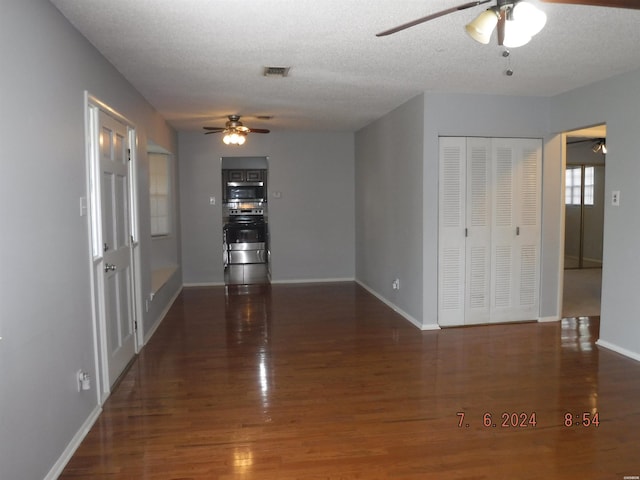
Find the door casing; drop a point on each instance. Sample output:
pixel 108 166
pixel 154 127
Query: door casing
pixel 93 107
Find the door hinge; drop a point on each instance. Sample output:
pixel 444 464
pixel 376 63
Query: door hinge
pixel 129 154
pixel 135 325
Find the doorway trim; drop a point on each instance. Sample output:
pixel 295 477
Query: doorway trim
pixel 92 108
pixel 563 165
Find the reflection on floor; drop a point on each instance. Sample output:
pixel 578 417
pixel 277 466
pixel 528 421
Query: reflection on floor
pixel 577 333
pixel 581 295
pixel 574 262
pixel 324 381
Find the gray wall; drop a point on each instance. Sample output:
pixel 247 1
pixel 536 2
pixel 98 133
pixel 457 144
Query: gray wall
pixel 311 225
pixel 45 304
pixel 615 102
pixel 480 116
pixel 612 101
pixel 45 297
pixel 397 193
pixel 389 163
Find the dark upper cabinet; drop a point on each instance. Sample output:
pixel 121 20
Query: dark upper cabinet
pixel 243 175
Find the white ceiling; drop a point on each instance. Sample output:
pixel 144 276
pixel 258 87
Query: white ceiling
pixel 198 61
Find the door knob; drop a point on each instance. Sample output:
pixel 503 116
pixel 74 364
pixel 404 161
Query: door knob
pixel 109 267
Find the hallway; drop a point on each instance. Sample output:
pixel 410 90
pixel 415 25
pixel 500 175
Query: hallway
pixel 582 292
pixel 323 381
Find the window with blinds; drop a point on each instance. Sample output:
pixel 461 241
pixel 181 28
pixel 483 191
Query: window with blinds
pixel 573 185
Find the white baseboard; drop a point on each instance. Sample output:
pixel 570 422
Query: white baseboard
pixel 553 318
pixel 75 442
pixel 58 467
pixel 430 326
pixel 149 334
pixel 294 280
pixel 398 310
pixel 203 284
pixel 622 351
pixel 313 280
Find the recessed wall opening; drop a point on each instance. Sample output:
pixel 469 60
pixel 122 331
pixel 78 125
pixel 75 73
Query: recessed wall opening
pixel 162 218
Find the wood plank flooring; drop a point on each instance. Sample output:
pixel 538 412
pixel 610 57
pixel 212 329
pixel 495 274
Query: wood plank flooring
pixel 323 381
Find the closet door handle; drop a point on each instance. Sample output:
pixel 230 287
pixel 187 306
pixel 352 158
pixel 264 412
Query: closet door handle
pixel 466 232
pixel 517 231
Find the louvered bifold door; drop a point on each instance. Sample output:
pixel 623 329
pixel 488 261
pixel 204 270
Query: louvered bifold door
pixel 528 219
pixel 516 229
pixel 451 227
pixel 478 232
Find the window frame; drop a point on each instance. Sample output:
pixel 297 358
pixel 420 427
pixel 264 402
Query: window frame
pixel 160 195
pixel 574 196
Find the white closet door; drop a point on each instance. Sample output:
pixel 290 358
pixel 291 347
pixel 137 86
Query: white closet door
pixel 527 208
pixel 478 232
pixel 489 230
pixel 516 229
pixel 451 225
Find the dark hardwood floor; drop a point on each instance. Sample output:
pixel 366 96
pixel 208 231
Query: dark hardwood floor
pixel 323 381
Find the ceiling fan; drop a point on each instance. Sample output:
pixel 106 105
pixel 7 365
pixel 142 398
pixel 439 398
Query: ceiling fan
pixel 516 21
pixel 235 133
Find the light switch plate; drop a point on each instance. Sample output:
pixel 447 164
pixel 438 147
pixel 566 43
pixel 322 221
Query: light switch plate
pixel 615 198
pixel 212 200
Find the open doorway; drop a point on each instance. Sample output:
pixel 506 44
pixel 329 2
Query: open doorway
pixel 584 221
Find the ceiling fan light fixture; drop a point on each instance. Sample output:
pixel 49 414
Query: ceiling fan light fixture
pixel 514 36
pixel 234 132
pixel 481 28
pixel 529 18
pixel 600 146
pixel 234 137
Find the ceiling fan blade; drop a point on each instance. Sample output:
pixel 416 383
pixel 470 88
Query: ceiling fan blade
pixel 259 130
pixel 214 129
pixel 633 4
pixel 501 25
pixel 404 26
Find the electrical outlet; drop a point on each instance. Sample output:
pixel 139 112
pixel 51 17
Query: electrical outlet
pixel 396 284
pixel 84 380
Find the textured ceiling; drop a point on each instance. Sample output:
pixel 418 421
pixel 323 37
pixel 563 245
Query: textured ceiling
pixel 198 61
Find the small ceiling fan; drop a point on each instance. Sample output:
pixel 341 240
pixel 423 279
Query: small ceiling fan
pixel 516 21
pixel 235 132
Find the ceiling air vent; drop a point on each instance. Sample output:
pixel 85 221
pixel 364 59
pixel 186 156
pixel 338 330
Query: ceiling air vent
pixel 276 71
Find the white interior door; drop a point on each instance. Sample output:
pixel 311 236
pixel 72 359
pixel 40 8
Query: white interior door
pixel 478 232
pixel 464 265
pixel 489 230
pixel 528 207
pixel 516 229
pixel 116 237
pixel 451 231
